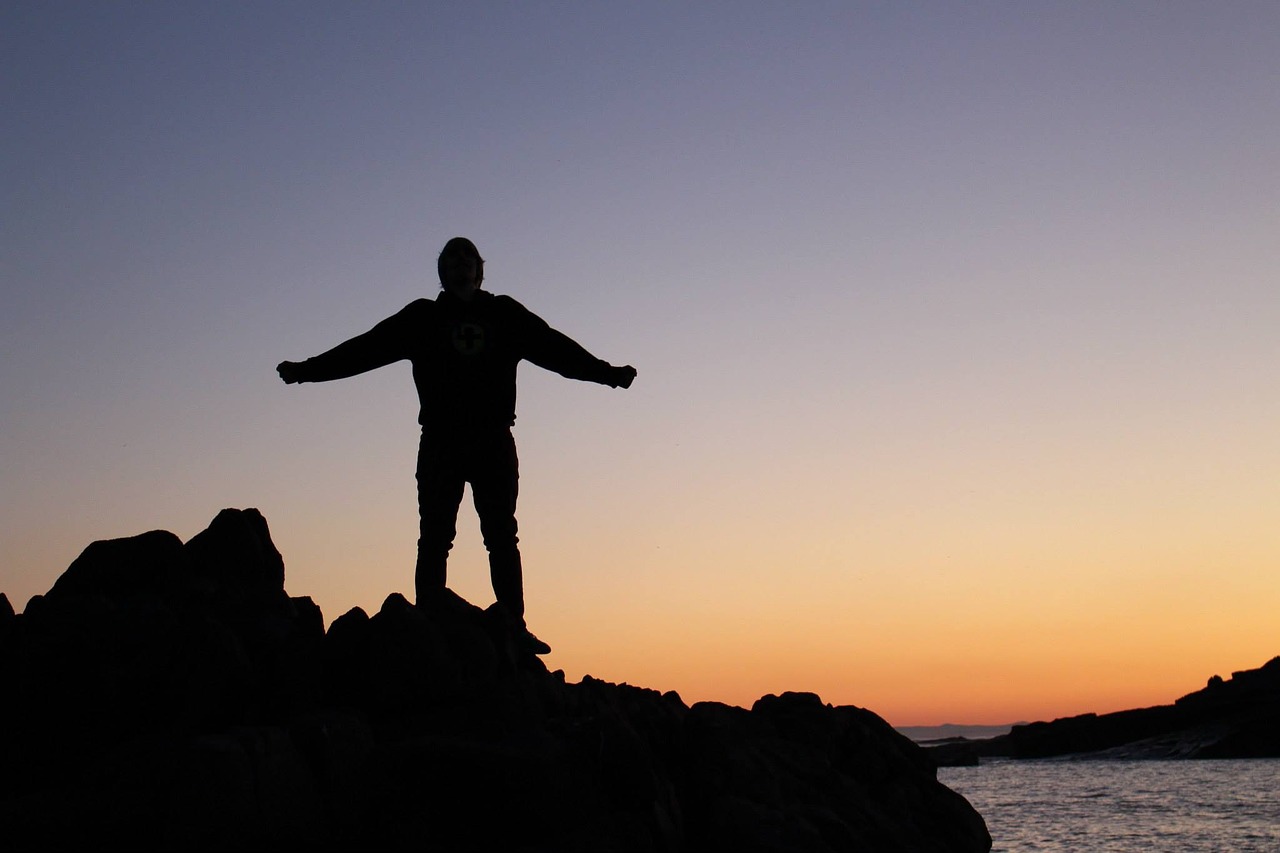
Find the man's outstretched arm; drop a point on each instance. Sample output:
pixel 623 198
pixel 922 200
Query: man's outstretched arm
pixel 377 347
pixel 556 351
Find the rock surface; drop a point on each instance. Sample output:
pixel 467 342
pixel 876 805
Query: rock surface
pixel 171 695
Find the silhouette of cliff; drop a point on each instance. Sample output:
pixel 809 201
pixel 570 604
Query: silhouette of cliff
pixel 171 695
pixel 1233 718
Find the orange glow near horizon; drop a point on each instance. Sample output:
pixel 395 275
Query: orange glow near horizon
pixel 919 646
pixel 1040 640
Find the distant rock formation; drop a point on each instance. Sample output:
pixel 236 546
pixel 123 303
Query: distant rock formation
pixel 952 745
pixel 171 695
pixel 952 752
pixel 1233 718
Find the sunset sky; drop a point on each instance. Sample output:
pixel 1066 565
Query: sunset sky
pixel 957 324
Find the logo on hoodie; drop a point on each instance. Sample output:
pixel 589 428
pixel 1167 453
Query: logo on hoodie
pixel 468 338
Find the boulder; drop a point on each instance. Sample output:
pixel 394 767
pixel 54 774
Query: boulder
pixel 152 565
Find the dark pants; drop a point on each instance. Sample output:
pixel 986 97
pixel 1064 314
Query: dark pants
pixel 486 460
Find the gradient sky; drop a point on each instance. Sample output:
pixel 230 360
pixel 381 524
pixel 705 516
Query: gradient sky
pixel 957 324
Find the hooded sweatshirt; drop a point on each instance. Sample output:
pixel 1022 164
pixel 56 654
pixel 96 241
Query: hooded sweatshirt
pixel 464 356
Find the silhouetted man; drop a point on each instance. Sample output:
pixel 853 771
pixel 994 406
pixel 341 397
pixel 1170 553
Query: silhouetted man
pixel 464 347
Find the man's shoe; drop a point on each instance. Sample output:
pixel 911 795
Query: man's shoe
pixel 528 642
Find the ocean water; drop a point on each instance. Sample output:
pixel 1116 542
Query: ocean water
pixel 1125 806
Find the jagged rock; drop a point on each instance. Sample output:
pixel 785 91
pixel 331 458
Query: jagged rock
pixel 174 696
pixel 8 626
pixel 235 563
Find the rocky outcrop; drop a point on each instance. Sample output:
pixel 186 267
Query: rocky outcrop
pixel 1232 718
pixel 952 752
pixel 173 695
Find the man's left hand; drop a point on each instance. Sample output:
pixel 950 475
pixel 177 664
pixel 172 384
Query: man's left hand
pixel 623 376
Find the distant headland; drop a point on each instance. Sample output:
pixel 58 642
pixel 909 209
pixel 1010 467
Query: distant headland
pixel 166 695
pixel 1228 718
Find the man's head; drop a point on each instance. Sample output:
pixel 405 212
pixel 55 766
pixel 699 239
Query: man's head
pixel 460 267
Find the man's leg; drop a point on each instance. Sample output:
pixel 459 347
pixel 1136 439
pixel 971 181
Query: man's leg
pixel 495 484
pixel 440 482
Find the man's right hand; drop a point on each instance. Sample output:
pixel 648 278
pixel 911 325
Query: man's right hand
pixel 289 372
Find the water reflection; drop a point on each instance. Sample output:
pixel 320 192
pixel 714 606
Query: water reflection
pixel 1125 806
